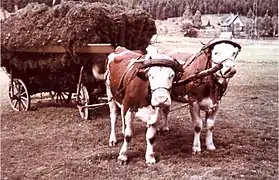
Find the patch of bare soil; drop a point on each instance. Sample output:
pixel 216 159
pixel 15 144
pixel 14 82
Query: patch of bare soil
pixel 53 142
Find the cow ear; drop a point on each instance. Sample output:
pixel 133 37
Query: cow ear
pixel 142 74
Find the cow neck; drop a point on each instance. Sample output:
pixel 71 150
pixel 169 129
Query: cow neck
pixel 219 89
pixel 197 64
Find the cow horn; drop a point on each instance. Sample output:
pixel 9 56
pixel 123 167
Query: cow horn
pixel 174 64
pixel 213 42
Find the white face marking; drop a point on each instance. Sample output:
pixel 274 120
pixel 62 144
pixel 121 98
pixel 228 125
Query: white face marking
pixel 160 80
pixel 226 54
pixel 160 77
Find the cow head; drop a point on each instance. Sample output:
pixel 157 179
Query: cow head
pixel 160 71
pixel 226 54
pixel 223 51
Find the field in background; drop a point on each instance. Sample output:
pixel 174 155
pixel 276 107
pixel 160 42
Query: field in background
pixel 252 51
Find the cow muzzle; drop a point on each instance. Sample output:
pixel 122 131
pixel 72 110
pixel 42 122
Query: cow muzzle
pixel 229 72
pixel 160 98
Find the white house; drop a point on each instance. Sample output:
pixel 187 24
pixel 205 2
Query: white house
pixel 232 23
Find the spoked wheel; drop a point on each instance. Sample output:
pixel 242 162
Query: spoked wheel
pixel 83 100
pixel 61 97
pixel 19 96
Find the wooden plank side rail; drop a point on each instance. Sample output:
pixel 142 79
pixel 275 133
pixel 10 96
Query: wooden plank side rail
pixel 90 48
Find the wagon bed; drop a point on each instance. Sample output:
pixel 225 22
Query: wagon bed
pixel 19 91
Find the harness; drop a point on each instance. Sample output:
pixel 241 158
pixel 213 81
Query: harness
pixel 121 87
pixel 216 90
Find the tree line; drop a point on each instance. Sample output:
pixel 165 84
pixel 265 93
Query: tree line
pixel 261 26
pixel 162 9
pixel 262 19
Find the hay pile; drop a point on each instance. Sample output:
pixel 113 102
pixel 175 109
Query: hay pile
pixel 70 24
pixel 9 5
pixel 76 24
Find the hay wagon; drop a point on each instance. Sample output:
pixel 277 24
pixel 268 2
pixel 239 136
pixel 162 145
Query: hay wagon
pixel 21 87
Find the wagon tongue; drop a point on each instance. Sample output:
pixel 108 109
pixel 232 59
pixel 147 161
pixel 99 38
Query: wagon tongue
pixel 199 75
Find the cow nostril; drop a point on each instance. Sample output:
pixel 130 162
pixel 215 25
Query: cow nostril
pixel 161 99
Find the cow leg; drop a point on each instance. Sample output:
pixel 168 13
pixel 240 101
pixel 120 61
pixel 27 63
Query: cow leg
pixel 113 119
pixel 164 126
pixel 210 120
pixel 123 121
pixel 197 121
pixel 150 139
pixel 113 114
pixel 129 116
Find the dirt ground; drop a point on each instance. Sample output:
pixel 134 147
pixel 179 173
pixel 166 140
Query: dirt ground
pixel 52 141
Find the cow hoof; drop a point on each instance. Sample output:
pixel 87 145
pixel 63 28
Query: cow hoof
pixel 163 129
pixel 196 150
pixel 122 159
pixel 150 160
pixel 112 143
pixel 210 147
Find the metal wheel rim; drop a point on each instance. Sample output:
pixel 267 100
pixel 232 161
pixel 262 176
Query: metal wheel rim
pixel 83 99
pixel 20 100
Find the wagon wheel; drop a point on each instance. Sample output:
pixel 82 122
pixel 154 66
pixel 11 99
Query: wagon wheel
pixel 83 100
pixel 19 96
pixel 61 97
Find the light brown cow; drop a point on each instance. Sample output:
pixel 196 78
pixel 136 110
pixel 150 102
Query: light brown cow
pixel 136 82
pixel 205 94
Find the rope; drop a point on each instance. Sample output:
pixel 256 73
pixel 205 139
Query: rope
pixel 180 107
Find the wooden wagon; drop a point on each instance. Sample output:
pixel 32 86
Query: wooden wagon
pixel 20 87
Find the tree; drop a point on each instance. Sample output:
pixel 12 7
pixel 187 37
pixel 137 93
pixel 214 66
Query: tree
pixel 159 10
pixel 181 8
pixel 248 28
pixel 274 20
pixel 267 28
pixel 260 26
pixel 187 14
pixel 250 13
pixel 169 10
pixel 197 22
pixel 188 30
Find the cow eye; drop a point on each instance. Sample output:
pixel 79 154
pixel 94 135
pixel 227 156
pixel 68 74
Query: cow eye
pixel 215 53
pixel 150 76
pixel 171 76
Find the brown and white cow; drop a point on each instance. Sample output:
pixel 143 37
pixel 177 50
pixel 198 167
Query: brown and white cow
pixel 205 94
pixel 137 82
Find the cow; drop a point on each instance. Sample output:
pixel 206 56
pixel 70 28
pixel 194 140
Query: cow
pixel 136 82
pixel 205 94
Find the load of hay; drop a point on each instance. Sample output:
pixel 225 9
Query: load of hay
pixel 70 24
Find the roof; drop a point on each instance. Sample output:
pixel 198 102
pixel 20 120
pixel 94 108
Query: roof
pixel 227 21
